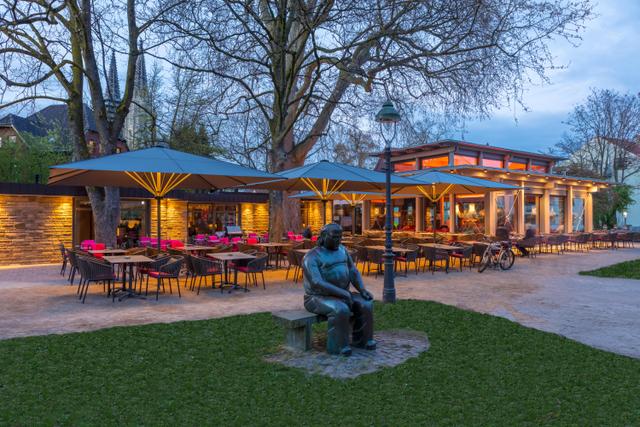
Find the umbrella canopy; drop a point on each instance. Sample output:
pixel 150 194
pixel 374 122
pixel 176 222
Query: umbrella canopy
pixel 435 185
pixel 158 170
pixel 326 178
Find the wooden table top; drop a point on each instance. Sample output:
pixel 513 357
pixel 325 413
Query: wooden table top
pixel 272 244
pixel 107 251
pixel 393 248
pixel 439 246
pixel 120 259
pixel 303 251
pixel 195 248
pixel 230 256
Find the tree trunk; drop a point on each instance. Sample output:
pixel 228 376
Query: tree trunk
pixel 284 212
pixel 105 204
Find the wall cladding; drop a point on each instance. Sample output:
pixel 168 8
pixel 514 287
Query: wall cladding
pixel 32 227
pixel 255 217
pixel 174 219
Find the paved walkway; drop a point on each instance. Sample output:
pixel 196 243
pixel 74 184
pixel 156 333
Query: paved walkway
pixel 545 293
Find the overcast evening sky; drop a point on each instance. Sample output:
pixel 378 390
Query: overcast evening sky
pixel 607 58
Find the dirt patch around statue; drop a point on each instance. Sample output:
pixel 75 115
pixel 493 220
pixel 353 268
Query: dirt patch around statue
pixel 394 348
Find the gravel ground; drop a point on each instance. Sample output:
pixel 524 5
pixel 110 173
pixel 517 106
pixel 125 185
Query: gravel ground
pixel 545 293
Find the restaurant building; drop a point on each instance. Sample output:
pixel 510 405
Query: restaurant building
pixel 35 218
pixel 548 202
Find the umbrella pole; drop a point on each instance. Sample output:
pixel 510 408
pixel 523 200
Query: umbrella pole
pixel 158 199
pixel 353 220
pixel 324 212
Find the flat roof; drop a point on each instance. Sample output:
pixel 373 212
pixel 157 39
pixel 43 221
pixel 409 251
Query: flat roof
pixel 515 171
pixel 469 145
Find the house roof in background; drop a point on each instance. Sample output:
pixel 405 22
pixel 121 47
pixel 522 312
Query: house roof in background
pixel 630 146
pixel 49 118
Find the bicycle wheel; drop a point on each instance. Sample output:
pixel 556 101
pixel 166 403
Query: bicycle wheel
pixel 485 261
pixel 507 258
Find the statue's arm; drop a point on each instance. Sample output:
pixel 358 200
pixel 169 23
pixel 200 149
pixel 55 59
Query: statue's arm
pixel 356 279
pixel 313 275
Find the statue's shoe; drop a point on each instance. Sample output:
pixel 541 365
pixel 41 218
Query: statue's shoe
pixel 346 351
pixel 371 345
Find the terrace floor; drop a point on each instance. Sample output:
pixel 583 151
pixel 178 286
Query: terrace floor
pixel 545 293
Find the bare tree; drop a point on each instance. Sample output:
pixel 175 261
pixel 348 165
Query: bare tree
pixel 303 63
pixel 54 49
pixel 603 138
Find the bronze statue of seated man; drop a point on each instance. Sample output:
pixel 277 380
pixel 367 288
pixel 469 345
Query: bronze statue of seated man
pixel 328 273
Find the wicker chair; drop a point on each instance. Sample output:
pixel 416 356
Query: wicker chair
pixel 433 255
pixel 73 265
pixel 375 256
pixel 295 261
pixel 144 269
pixel 252 268
pixel 203 268
pixel 169 270
pixel 408 258
pixel 94 271
pixel 65 259
pixel 465 254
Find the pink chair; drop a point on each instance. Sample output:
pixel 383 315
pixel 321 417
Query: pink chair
pixel 145 241
pixel 236 239
pixel 224 240
pixel 291 235
pixel 252 236
pixel 252 240
pixel 87 245
pixel 314 238
pixel 98 246
pixel 175 244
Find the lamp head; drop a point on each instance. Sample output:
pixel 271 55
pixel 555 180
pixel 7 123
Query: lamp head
pixel 388 114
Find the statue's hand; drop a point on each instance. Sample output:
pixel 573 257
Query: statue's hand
pixel 366 295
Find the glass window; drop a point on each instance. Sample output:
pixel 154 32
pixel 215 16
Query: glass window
pixel 531 209
pixel 518 164
pixel 505 205
pixel 462 159
pixel 539 167
pixel 578 214
pixel 435 162
pixel 404 166
pixel 492 162
pixel 556 213
pixel 133 222
pixel 470 214
pixel 209 218
pixel 377 215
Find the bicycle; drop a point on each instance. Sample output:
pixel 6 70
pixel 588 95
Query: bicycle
pixel 497 254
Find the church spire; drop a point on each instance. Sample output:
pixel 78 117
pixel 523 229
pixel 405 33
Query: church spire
pixel 141 70
pixel 112 95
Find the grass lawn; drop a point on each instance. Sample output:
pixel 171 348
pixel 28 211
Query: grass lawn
pixel 625 270
pixel 479 370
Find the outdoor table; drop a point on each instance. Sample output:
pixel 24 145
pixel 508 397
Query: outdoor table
pixel 225 257
pixel 107 251
pixel 448 248
pixel 274 246
pixel 194 248
pixel 127 261
pixel 393 249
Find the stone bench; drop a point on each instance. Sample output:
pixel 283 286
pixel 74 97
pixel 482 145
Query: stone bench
pixel 297 326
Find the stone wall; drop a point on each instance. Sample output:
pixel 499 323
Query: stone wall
pixel 32 227
pixel 254 217
pixel 174 219
pixel 312 215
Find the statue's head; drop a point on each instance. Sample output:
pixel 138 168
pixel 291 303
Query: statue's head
pixel 330 236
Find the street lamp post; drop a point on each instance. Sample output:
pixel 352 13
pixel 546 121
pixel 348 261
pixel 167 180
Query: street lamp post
pixel 388 117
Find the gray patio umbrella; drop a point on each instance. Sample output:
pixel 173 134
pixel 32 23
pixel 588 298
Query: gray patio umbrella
pixel 158 170
pixel 351 197
pixel 326 178
pixel 435 185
